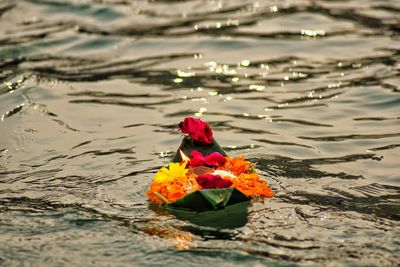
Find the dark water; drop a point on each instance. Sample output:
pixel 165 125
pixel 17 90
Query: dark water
pixel 91 92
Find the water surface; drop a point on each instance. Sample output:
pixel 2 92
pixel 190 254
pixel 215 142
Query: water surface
pixel 91 93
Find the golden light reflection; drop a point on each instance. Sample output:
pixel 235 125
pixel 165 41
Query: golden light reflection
pixel 273 9
pixel 178 80
pixel 283 105
pixel 334 85
pixel 184 74
pixel 200 112
pixel 165 154
pixel 224 69
pixel 220 68
pixel 312 33
pixel 263 116
pixel 183 240
pixel 232 22
pixel 257 87
pixel 245 63
pixel 210 64
pixel 200 99
pixel 183 156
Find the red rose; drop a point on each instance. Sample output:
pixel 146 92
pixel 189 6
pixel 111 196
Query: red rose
pixel 198 130
pixel 208 181
pixel 215 159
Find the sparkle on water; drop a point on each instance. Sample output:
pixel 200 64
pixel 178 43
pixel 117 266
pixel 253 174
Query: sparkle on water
pixel 91 93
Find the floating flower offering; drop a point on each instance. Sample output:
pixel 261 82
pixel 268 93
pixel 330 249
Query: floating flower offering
pixel 202 177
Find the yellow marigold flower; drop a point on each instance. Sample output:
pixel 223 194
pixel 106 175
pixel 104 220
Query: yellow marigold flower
pixel 175 171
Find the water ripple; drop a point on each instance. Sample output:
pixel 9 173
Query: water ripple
pixel 351 136
pixel 91 94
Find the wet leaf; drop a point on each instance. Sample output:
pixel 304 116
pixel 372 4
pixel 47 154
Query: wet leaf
pixel 231 216
pixel 210 199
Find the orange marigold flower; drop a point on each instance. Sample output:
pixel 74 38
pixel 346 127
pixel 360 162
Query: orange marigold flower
pixel 172 183
pixel 237 165
pixel 155 187
pixel 251 185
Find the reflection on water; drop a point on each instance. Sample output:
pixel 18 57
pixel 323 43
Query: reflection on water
pixel 91 92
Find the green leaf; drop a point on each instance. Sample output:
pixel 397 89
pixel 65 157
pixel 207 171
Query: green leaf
pixel 210 199
pixel 217 197
pixel 230 217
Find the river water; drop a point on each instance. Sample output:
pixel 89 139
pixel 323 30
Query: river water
pixel 91 93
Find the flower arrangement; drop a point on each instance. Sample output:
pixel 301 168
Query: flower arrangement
pixel 213 174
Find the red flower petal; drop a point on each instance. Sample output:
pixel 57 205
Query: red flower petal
pixel 208 181
pixel 197 159
pixel 223 183
pixel 215 159
pixel 198 130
